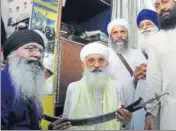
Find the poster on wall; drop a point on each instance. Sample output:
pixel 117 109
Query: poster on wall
pixel 44 18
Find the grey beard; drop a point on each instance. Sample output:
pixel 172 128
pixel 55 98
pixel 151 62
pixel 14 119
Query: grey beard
pixel 118 50
pixel 27 77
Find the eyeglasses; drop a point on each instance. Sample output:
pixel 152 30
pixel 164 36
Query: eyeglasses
pixel 92 61
pixel 33 49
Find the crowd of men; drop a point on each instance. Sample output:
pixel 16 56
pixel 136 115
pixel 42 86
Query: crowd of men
pixel 113 77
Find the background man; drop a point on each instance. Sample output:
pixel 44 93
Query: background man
pixel 161 67
pixel 124 62
pixel 148 26
pixel 48 64
pixel 95 94
pixel 147 22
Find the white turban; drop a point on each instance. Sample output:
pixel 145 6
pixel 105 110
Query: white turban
pixel 94 48
pixel 117 22
pixel 48 62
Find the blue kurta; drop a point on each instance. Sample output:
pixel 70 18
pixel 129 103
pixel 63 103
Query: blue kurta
pixel 15 114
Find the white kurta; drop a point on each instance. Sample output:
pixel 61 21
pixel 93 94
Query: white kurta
pixel 134 57
pixel 97 98
pixel 161 77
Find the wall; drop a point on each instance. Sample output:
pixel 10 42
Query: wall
pixel 14 11
pixel 99 22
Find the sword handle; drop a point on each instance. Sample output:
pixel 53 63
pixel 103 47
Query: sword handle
pixel 139 104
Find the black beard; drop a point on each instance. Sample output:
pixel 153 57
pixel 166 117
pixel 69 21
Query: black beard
pixel 169 21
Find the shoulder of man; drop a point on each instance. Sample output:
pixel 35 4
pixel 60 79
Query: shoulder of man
pixel 138 55
pixel 7 89
pixel 74 85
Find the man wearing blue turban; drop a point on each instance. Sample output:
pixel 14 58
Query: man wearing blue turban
pixel 147 22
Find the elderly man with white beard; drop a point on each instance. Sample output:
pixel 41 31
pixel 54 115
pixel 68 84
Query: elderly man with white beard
pixel 123 61
pixel 161 69
pixel 96 93
pixel 22 81
pixel 147 22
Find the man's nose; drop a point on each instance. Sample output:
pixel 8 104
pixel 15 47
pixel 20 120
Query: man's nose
pixel 119 35
pixel 37 54
pixel 162 7
pixel 97 65
pixel 145 27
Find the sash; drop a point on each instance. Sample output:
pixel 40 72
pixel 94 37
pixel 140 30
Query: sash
pixel 128 68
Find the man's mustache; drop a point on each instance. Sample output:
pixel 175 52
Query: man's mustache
pixel 35 61
pixel 119 40
pixel 95 70
pixel 164 11
pixel 146 31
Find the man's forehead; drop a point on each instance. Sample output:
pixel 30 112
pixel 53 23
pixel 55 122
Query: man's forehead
pixel 95 56
pixel 146 21
pixel 118 28
pixel 33 44
pixel 158 1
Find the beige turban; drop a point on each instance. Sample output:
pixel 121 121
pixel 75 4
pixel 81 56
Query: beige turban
pixel 117 22
pixel 94 48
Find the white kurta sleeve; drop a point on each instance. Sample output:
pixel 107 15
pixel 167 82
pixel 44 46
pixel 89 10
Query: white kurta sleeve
pixel 122 96
pixel 154 79
pixel 68 99
pixel 119 89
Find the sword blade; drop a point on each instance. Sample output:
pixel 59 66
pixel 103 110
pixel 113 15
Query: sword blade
pixel 93 120
pixel 137 105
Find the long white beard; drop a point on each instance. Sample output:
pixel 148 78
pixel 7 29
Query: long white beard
pixel 96 80
pixel 144 38
pixel 28 78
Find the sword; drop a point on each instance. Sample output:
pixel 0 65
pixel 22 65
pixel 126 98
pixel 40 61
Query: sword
pixel 137 105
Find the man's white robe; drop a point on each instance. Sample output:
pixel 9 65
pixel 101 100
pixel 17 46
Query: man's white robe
pixel 134 57
pixel 161 77
pixel 97 98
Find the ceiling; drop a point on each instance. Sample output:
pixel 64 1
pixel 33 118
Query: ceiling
pixel 79 11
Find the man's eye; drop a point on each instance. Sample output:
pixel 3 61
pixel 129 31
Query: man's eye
pixel 91 60
pixel 115 32
pixel 148 23
pixel 123 31
pixel 156 6
pixel 30 49
pixel 101 60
